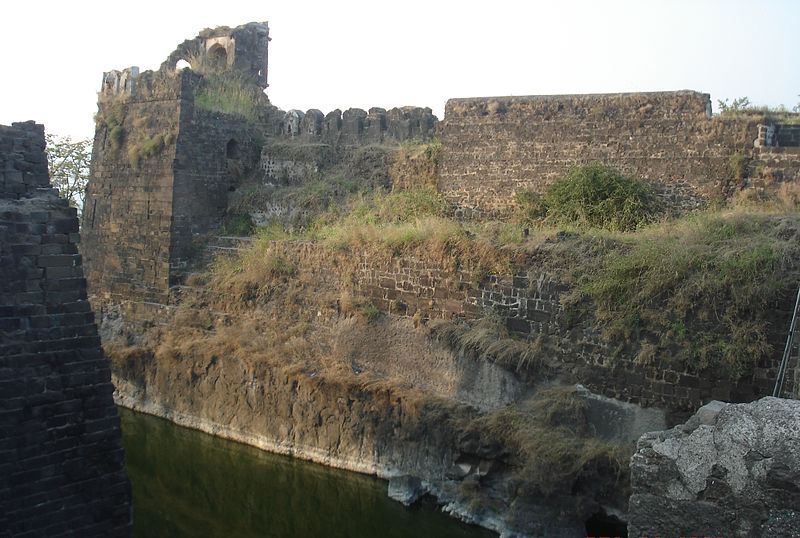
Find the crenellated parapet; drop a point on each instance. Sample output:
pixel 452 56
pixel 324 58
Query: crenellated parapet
pixel 355 126
pixel 120 82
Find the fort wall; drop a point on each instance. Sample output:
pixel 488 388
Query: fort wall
pixel 61 460
pixel 495 147
pixel 530 306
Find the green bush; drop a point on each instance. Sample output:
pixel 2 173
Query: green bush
pixel 595 196
pixel 368 311
pixel 738 165
pixel 116 135
pixel 238 224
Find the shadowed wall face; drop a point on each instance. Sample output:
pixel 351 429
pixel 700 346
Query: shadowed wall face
pixel 61 460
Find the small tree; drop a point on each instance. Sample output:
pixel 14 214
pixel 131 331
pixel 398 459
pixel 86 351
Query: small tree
pixel 68 162
pixel 738 104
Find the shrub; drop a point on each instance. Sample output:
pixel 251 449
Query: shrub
pixel 601 197
pixel 238 224
pixel 149 147
pixel 738 165
pixel 488 339
pixel 553 448
pixel 368 311
pixel 432 150
pixel 115 135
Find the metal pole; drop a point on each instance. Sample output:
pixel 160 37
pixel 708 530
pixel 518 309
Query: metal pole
pixel 786 352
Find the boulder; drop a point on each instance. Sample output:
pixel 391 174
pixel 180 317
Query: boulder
pixel 406 488
pixel 732 470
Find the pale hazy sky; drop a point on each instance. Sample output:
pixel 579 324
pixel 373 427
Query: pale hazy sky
pixel 342 54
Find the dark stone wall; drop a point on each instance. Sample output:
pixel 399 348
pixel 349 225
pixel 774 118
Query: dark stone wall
pixel 214 153
pixel 493 147
pixel 61 460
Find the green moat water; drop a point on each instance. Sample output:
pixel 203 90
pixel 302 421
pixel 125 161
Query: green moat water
pixel 190 484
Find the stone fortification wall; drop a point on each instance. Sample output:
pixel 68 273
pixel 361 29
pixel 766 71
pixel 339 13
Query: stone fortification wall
pixel 308 143
pixel 214 153
pixel 355 126
pixel 127 218
pixel 494 147
pixel 61 461
pixel 530 306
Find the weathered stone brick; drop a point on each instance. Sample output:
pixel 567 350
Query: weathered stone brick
pixel 45 491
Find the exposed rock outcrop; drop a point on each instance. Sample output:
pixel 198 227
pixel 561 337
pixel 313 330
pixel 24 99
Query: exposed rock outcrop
pixel 731 470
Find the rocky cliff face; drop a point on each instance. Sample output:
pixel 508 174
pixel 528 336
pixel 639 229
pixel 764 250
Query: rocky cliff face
pixel 433 422
pixel 731 470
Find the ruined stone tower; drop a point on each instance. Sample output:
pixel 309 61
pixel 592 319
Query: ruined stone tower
pixel 169 147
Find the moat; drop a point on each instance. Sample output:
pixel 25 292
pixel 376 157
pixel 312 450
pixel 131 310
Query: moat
pixel 187 483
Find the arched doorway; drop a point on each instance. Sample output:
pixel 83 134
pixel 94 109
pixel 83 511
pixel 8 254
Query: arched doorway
pixel 218 56
pixel 232 149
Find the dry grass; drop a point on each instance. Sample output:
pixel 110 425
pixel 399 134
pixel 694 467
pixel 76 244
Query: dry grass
pixel 552 449
pixel 488 339
pixel 701 289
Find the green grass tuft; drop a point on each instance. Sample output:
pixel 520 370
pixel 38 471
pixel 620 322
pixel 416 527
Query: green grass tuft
pixel 229 93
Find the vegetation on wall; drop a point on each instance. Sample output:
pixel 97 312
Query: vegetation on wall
pixel 743 107
pixel 698 291
pixel 489 339
pixel 593 196
pixel 110 116
pixel 701 290
pixel 148 147
pixel 230 93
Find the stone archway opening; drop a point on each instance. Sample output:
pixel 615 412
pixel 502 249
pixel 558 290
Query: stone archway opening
pixel 218 56
pixel 182 64
pixel 232 149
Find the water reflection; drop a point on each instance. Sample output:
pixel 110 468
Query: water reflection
pixel 189 484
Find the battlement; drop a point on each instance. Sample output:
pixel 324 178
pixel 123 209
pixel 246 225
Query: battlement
pixel 355 126
pixel 684 104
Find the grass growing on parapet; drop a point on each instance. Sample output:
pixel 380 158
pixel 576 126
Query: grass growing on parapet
pixel 741 107
pixel 700 290
pixel 148 147
pixel 489 339
pixel 594 196
pixel 229 93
